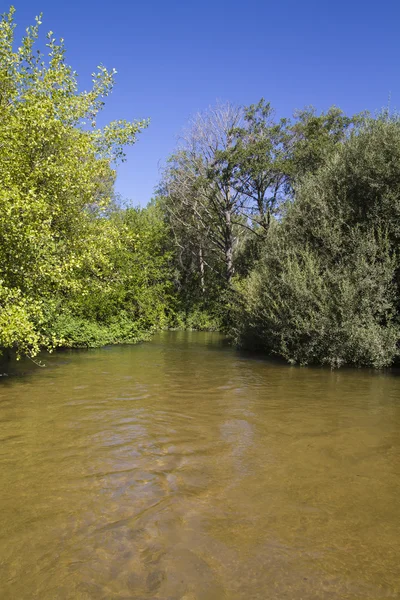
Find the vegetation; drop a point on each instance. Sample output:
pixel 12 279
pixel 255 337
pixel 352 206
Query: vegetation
pixel 326 287
pixel 283 233
pixel 312 273
pixel 74 269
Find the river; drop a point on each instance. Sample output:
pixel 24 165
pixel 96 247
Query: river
pixel 181 469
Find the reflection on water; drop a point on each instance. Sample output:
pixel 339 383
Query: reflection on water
pixel 182 470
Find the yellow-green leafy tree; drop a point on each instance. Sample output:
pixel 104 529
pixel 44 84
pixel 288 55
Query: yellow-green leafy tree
pixel 56 178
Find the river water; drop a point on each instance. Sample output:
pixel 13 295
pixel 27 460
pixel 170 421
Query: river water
pixel 181 469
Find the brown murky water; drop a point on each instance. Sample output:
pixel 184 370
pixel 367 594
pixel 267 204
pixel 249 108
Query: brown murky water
pixel 182 470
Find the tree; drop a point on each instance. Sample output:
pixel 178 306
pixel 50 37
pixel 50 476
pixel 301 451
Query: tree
pixel 326 289
pixel 261 163
pixel 235 169
pixel 56 175
pixel 199 185
pixel 313 138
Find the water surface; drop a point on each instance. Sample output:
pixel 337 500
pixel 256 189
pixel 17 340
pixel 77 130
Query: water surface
pixel 182 470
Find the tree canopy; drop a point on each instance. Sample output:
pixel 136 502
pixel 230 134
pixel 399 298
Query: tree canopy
pixel 56 178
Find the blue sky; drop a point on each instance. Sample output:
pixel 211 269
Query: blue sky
pixel 175 58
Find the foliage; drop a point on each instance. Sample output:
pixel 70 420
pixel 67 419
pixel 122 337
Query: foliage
pixel 125 288
pixel 198 189
pixel 231 178
pixel 296 306
pixel 231 175
pixel 314 138
pixel 260 159
pixel 199 318
pixel 285 232
pixel 326 288
pixel 79 332
pixel 56 178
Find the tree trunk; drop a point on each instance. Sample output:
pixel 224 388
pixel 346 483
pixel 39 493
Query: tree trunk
pixel 265 216
pixel 228 246
pixel 202 279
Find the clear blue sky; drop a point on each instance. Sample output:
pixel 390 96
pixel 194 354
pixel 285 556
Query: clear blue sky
pixel 174 58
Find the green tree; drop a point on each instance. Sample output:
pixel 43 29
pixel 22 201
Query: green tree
pixel 314 137
pixel 261 163
pixel 56 174
pixel 326 289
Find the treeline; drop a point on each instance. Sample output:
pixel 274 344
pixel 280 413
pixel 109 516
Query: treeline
pixel 283 233
pixel 289 230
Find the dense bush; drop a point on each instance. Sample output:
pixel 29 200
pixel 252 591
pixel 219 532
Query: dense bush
pixel 326 288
